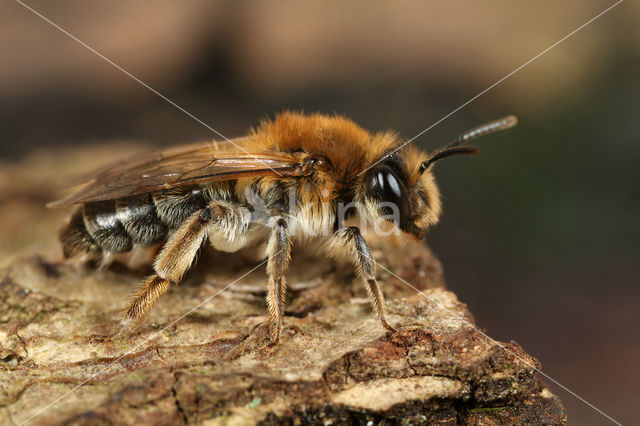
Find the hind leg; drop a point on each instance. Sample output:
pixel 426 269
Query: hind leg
pixel 179 252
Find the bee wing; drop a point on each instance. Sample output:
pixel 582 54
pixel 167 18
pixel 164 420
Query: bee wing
pixel 185 165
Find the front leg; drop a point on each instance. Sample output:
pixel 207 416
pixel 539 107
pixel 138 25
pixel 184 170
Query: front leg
pixel 360 256
pixel 279 253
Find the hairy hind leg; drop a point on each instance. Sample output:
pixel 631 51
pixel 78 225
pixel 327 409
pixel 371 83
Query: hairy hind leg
pixel 176 258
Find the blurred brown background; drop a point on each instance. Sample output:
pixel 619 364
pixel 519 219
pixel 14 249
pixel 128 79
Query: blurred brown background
pixel 540 235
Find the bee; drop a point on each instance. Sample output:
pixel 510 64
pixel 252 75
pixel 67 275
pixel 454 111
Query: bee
pixel 294 179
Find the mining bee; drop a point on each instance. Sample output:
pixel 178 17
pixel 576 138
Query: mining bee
pixel 295 178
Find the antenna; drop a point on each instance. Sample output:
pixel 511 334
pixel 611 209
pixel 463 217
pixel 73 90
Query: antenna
pixel 454 147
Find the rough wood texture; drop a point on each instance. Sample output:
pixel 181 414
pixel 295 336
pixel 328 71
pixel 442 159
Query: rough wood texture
pixel 335 363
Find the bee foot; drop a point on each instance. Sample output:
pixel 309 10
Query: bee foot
pixel 99 338
pixel 388 327
pixel 275 335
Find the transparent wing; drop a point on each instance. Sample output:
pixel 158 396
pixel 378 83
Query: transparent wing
pixel 185 165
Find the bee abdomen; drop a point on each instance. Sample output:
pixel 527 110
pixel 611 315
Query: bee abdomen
pixel 104 226
pixel 116 225
pixel 76 239
pixel 140 220
pixel 175 206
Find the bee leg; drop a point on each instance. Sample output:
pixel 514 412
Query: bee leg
pixel 174 260
pixel 279 253
pixel 144 298
pixel 142 255
pixel 365 267
pixel 105 261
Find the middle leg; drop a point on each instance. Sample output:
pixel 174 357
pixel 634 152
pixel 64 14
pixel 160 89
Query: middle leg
pixel 279 253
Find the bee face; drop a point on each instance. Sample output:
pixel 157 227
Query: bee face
pixel 402 194
pixel 400 187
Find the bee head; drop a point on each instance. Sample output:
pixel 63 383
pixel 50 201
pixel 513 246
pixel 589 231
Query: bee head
pixel 411 201
pixel 402 187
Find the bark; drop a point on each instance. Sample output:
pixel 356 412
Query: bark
pixel 335 363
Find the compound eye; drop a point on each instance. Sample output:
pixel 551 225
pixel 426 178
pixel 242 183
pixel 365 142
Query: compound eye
pixel 390 190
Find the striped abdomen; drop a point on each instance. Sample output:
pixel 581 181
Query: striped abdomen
pixel 116 226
